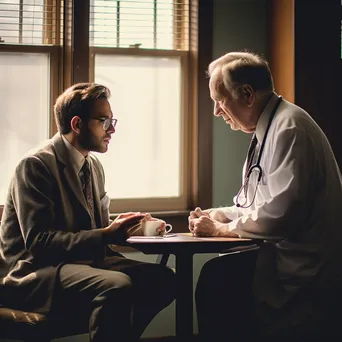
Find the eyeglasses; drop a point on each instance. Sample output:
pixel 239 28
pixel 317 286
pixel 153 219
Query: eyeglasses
pixel 107 122
pixel 258 171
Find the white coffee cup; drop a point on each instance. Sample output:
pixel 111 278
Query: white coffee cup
pixel 150 228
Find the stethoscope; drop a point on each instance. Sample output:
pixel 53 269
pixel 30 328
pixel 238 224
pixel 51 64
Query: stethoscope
pixel 257 167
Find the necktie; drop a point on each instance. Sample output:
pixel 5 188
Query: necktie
pixel 88 190
pixel 250 153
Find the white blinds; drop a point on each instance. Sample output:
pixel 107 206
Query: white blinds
pixel 152 24
pixel 30 22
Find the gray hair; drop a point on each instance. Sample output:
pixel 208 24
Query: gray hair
pixel 234 69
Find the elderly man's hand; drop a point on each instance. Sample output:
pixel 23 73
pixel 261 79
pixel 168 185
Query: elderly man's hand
pixel 218 215
pixel 195 214
pixel 198 212
pixel 206 226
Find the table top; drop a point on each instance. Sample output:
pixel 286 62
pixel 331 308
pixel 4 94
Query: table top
pixel 185 243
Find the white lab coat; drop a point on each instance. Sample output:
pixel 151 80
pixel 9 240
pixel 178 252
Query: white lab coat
pixel 297 207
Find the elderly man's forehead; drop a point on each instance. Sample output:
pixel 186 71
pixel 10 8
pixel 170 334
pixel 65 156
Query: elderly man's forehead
pixel 216 85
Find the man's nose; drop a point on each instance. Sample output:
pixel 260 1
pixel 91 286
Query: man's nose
pixel 111 129
pixel 217 110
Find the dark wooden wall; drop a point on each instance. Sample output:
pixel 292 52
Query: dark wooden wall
pixel 305 57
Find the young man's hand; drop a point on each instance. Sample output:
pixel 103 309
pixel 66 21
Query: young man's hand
pixel 122 227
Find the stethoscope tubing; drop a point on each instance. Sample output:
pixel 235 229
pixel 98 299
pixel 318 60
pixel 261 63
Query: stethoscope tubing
pixel 257 165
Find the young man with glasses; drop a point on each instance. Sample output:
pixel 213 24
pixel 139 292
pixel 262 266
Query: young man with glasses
pixel 56 238
pixel 290 198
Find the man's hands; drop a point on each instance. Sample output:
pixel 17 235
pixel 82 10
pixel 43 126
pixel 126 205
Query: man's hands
pixel 123 227
pixel 209 223
pixel 194 215
pixel 218 215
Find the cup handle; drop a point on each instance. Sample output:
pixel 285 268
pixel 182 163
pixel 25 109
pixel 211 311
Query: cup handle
pixel 168 230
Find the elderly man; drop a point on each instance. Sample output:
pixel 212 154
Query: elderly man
pixel 290 198
pixel 55 231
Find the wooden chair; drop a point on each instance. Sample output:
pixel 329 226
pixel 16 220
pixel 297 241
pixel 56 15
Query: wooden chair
pixel 36 327
pixel 31 326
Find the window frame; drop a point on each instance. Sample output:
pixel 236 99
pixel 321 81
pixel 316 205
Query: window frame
pixel 69 66
pixel 54 19
pixel 157 203
pixel 54 55
pixel 55 58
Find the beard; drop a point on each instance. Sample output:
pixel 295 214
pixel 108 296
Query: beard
pixel 90 142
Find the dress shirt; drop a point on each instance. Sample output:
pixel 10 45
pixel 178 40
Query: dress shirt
pixel 298 200
pixel 77 161
pixel 76 157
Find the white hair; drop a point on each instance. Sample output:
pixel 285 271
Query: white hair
pixel 235 69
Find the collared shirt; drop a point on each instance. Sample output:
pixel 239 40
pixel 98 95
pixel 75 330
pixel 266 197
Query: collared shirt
pixel 298 200
pixel 76 157
pixel 77 160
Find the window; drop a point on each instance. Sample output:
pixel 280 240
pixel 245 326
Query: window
pixel 28 61
pixel 139 49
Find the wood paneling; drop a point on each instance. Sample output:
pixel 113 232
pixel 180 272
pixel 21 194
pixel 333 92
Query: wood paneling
pixel 81 41
pixel 318 65
pixel 204 106
pixel 305 58
pixel 281 52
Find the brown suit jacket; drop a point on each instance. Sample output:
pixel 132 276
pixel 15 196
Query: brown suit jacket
pixel 45 224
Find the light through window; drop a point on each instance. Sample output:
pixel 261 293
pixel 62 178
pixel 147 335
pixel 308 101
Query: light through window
pixel 144 153
pixel 139 49
pixel 152 24
pixel 24 104
pixel 29 22
pixel 28 59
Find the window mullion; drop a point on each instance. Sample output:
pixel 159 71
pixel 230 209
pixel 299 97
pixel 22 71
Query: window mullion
pixel 57 21
pixel 48 23
pixel 81 16
pixel 118 23
pixel 155 24
pixel 21 9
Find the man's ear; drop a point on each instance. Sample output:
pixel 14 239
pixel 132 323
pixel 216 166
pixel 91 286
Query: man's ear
pixel 248 94
pixel 76 123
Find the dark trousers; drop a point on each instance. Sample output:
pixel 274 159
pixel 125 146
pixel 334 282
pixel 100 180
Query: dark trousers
pixel 228 311
pixel 119 297
pixel 224 300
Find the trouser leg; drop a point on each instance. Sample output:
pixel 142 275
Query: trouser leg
pixel 224 298
pixel 104 296
pixel 153 287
